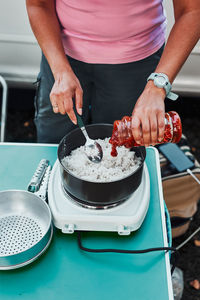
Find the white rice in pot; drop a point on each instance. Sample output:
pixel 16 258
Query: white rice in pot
pixel 109 169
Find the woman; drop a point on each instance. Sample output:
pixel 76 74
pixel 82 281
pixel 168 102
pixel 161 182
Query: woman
pixel 108 56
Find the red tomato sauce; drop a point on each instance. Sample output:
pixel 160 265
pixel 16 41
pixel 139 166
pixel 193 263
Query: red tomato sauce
pixel 122 133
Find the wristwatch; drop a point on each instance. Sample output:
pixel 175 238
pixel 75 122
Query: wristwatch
pixel 161 80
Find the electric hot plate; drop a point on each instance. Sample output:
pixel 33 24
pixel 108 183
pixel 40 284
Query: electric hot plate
pixel 69 215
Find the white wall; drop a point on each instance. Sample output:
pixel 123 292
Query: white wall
pixel 19 51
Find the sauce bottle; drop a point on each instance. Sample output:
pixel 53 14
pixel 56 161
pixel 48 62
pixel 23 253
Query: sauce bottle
pixel 122 133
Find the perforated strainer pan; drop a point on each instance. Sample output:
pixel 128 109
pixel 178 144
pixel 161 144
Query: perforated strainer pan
pixel 25 227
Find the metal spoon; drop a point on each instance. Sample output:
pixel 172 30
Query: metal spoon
pixel 92 149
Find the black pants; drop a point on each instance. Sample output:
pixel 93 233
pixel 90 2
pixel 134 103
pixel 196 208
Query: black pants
pixel 110 91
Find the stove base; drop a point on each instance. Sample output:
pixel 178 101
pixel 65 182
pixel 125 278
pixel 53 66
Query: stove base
pixel 123 218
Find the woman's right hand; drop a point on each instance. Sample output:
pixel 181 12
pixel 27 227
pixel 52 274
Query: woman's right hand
pixel 66 88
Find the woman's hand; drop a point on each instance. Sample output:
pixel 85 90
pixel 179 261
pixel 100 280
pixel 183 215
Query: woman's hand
pixel 66 85
pixel 66 88
pixel 148 116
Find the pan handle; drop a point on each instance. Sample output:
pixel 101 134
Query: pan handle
pixel 36 180
pixel 42 192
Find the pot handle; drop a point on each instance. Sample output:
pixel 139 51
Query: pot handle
pixel 36 180
pixel 42 192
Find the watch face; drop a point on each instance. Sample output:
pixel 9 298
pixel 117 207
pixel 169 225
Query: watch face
pixel 160 81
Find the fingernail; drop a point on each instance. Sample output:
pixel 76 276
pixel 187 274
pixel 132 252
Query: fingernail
pixel 79 110
pixel 138 142
pixel 160 140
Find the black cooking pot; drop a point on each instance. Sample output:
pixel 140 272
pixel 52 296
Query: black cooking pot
pixel 96 193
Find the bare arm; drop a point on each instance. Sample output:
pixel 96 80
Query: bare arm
pixel 149 109
pixel 183 37
pixel 45 25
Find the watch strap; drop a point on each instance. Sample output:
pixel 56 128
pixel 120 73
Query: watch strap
pixel 172 96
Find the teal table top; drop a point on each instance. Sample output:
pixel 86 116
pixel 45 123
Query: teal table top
pixel 66 272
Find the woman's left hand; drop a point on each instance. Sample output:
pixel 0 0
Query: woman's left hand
pixel 148 122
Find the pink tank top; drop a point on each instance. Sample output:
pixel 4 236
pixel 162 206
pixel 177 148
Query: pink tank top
pixel 111 31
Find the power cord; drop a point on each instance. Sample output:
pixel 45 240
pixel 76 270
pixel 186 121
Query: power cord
pixel 121 250
pixel 173 249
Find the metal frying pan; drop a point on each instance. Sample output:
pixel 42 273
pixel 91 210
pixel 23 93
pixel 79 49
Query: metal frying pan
pixel 25 222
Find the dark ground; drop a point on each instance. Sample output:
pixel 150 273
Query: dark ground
pixel 21 128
